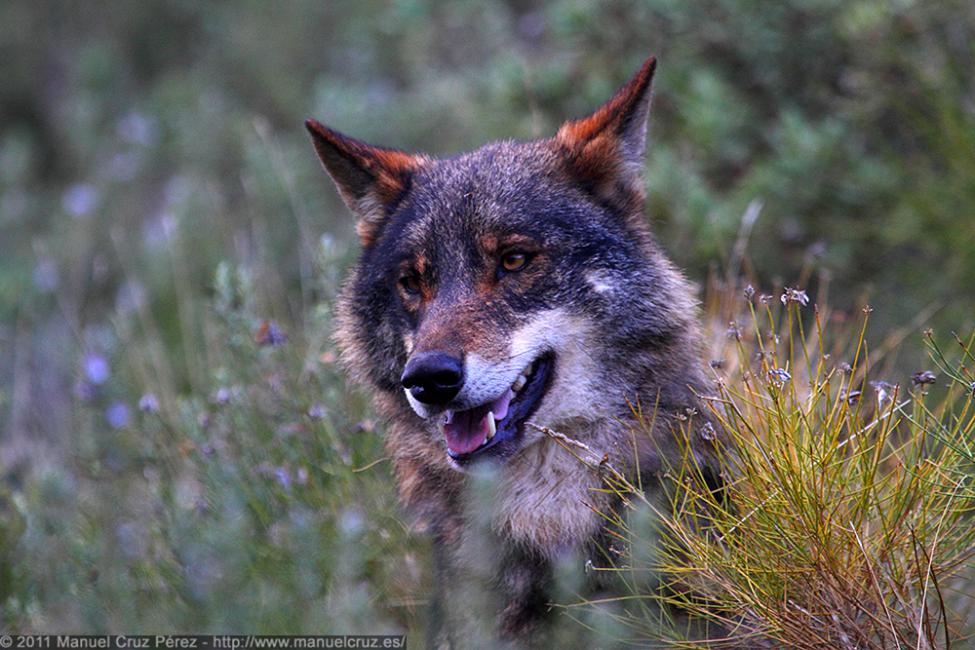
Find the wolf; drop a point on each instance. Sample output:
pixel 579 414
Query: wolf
pixel 500 295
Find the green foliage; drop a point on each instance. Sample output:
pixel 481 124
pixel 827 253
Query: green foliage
pixel 261 501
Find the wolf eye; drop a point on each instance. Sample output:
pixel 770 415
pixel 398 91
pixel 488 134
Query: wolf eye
pixel 514 261
pixel 410 284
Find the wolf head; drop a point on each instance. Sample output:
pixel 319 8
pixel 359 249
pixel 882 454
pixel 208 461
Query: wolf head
pixel 515 284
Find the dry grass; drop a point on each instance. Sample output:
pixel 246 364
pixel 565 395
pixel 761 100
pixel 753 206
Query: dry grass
pixel 847 520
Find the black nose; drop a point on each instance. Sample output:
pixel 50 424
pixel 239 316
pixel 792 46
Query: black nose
pixel 433 377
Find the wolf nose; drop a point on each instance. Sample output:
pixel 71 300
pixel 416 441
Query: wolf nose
pixel 433 377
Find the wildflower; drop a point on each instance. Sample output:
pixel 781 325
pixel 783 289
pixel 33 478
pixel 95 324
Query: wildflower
pixel 316 411
pixel 818 249
pixel 130 540
pixel 223 396
pixel 117 415
pixel 80 200
pixel 749 293
pixel 96 369
pixel 270 334
pixel 717 364
pixel 351 522
pixel 138 129
pixel 301 476
pixel 921 378
pixel 148 403
pixel 283 477
pixel 46 276
pixel 84 390
pixel 779 375
pixel 796 296
pixel 204 420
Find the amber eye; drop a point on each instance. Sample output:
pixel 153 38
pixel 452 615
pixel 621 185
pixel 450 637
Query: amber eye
pixel 514 261
pixel 410 284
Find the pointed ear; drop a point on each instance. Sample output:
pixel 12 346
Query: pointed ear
pixel 371 180
pixel 604 151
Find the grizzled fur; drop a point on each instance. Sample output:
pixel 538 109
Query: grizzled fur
pixel 597 292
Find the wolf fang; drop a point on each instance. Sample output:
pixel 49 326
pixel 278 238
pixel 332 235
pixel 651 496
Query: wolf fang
pixel 435 321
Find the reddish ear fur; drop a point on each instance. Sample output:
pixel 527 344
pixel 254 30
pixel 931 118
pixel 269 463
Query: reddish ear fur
pixel 605 150
pixel 370 179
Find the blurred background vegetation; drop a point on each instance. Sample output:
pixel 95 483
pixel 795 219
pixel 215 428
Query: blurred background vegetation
pixel 174 430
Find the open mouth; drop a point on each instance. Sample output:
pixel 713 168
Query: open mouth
pixel 495 428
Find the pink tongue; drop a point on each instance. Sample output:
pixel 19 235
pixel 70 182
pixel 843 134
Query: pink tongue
pixel 468 430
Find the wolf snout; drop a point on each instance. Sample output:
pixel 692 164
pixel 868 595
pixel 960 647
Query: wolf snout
pixel 433 377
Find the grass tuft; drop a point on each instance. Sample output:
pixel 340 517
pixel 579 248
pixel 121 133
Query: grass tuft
pixel 846 520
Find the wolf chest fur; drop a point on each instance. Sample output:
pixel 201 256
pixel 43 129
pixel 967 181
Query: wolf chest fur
pixel 499 292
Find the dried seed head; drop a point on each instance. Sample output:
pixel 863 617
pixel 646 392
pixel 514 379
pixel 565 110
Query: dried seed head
pixel 733 331
pixel 885 391
pixel 924 377
pixel 707 431
pixel 795 296
pixel 749 293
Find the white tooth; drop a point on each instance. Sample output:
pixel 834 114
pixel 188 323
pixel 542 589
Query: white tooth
pixel 492 426
pixel 519 383
pixel 448 417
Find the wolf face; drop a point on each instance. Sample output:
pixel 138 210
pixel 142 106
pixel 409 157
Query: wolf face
pixel 505 290
pixel 494 286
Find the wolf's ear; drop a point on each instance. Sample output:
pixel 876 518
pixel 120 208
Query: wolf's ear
pixel 605 150
pixel 370 179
